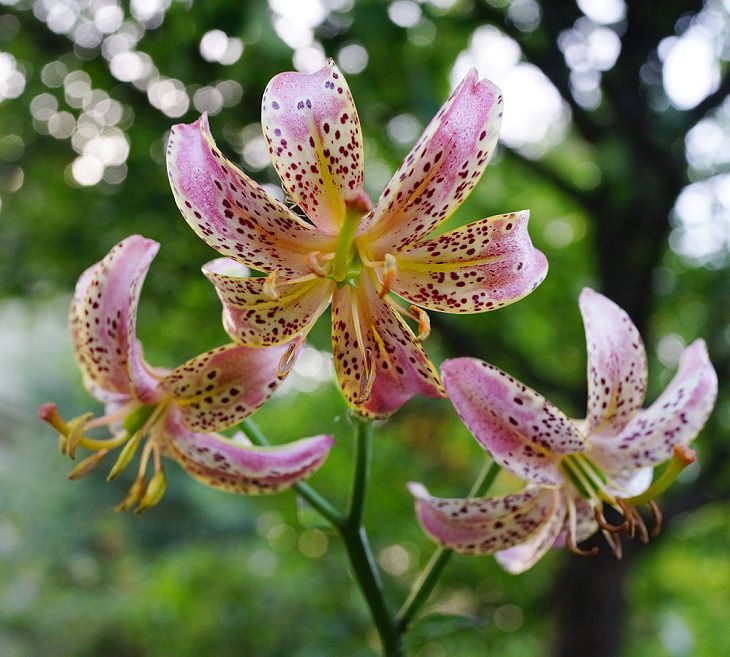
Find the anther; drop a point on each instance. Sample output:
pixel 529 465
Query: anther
pixel 76 433
pixel 390 271
pixel 607 526
pixel 591 552
pixel 641 525
pixel 368 378
pixel 424 323
pixel 87 465
pixel 657 513
pixel 614 542
pixel 134 495
pixel 288 358
pixel 314 264
pixel 269 289
pixel 629 516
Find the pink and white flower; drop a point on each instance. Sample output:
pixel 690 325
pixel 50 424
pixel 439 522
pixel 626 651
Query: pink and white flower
pixel 572 467
pixel 175 412
pixel 345 252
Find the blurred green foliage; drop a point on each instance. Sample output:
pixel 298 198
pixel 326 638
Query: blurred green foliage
pixel 206 573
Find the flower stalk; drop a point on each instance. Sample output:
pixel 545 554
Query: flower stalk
pixel 426 582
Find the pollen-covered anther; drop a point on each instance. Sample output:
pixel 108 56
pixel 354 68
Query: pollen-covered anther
pixel 269 289
pixel 424 323
pixel 316 262
pixel 390 271
pixel 657 514
pixel 289 357
pixel 87 465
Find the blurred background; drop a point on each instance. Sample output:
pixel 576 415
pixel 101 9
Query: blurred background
pixel 616 135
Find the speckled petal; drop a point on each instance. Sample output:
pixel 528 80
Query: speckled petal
pixel 313 134
pixel 441 169
pixel 482 266
pixel 676 417
pixel 617 369
pixel 524 556
pixel 485 525
pixel 238 468
pixel 522 430
pixel 102 321
pixel 231 212
pixel 223 386
pixel 252 318
pixel 402 368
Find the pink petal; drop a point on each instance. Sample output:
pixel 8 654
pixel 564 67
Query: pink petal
pixel 231 212
pixel 237 468
pixel 526 554
pixel 402 368
pixel 521 429
pixel 617 369
pixel 482 266
pixel 313 133
pixel 441 169
pixel 675 418
pixel 102 321
pixel 223 386
pixel 484 525
pixel 252 318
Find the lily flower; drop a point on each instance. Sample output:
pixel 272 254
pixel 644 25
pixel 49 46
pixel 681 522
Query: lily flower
pixel 174 412
pixel 573 468
pixel 344 251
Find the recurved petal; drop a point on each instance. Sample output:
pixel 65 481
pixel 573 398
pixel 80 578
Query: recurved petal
pixel 522 430
pixel 617 368
pixel 675 418
pixel 441 169
pixel 313 133
pixel 237 468
pixel 402 368
pixel 484 525
pixel 231 212
pixel 223 386
pixel 481 266
pixel 102 323
pixel 253 318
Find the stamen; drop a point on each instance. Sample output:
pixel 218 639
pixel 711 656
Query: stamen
pixel 614 542
pixel 607 526
pixel 156 488
pixel 87 465
pixel 572 532
pixel 657 514
pixel 368 378
pixel 125 456
pixel 629 516
pixel 134 495
pixel 313 262
pixel 269 289
pixel 76 433
pixel 641 525
pixel 289 357
pixel 390 271
pixel 424 323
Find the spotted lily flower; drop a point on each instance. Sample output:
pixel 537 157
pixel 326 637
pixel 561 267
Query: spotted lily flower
pixel 344 251
pixel 174 412
pixel 573 468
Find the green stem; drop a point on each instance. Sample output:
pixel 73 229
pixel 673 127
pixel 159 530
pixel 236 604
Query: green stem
pixel 358 547
pixel 426 582
pixel 313 498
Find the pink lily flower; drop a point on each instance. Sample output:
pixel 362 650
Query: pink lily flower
pixel 572 467
pixel 345 252
pixel 175 412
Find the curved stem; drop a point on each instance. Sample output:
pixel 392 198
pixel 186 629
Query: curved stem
pixel 426 582
pixel 313 498
pixel 358 547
